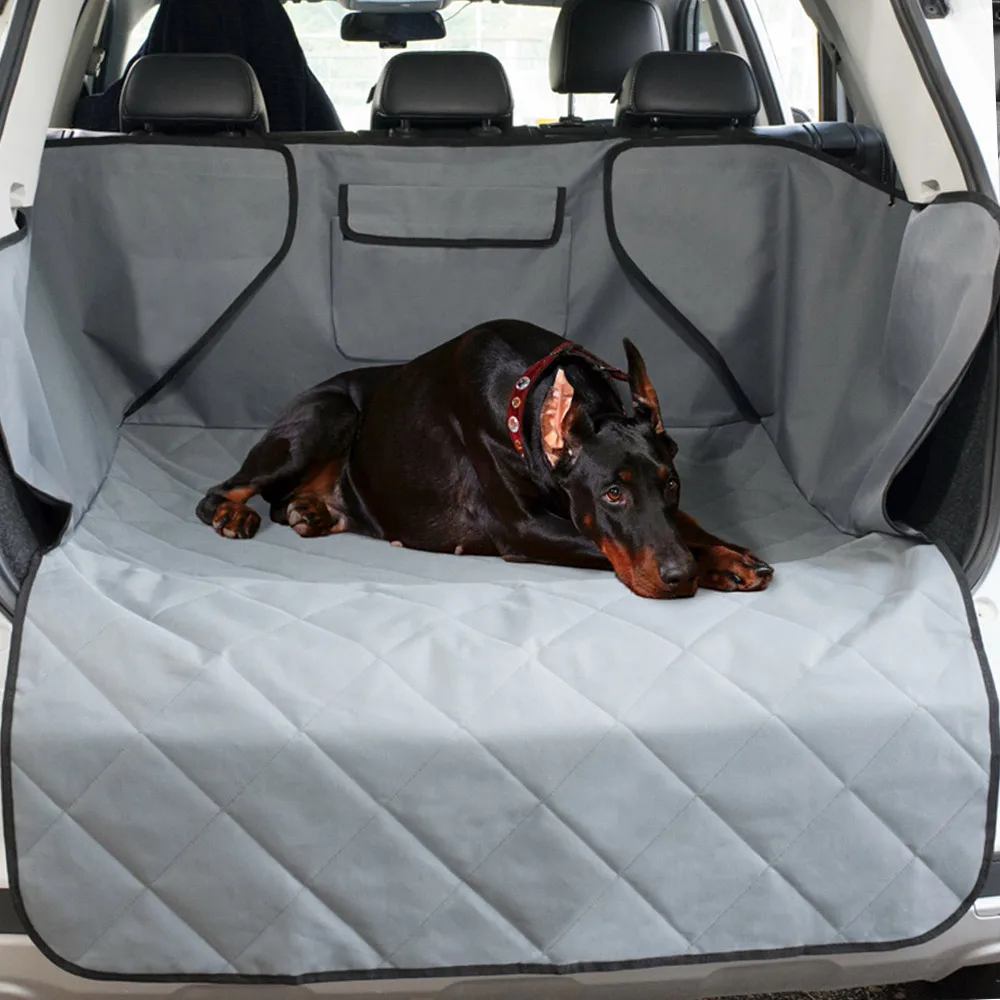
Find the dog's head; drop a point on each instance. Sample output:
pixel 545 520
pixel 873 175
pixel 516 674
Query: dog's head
pixel 623 489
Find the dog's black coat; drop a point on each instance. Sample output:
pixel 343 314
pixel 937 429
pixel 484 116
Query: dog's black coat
pixel 419 454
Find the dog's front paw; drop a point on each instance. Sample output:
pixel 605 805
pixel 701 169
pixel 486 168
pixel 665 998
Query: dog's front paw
pixel 727 569
pixel 235 520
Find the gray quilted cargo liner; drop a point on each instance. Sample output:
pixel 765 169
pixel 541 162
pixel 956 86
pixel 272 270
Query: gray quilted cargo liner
pixel 291 760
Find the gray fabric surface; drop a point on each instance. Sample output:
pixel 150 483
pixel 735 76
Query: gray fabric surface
pixel 290 757
pixel 815 289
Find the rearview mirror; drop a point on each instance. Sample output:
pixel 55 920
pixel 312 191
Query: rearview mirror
pixel 392 30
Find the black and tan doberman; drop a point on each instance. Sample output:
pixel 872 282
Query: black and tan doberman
pixel 506 441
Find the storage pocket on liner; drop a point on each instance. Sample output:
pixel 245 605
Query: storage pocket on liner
pixel 416 266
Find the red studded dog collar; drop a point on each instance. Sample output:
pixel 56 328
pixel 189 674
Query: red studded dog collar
pixel 515 404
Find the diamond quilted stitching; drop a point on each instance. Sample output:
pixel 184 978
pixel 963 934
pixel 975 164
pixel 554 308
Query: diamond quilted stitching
pixel 539 727
pixel 464 925
pixel 600 796
pixel 883 632
pixel 36 812
pixel 667 719
pixel 384 883
pixel 171 664
pixel 588 658
pixel 148 808
pixel 229 910
pixel 148 937
pixel 61 893
pixel 620 924
pixel 816 864
pixel 945 851
pixel 217 625
pixel 377 621
pixel 790 919
pixel 732 649
pixel 99 733
pixel 520 621
pixel 487 664
pixel 680 623
pixel 493 804
pixel 895 779
pixel 891 912
pixel 383 728
pixel 241 731
pixel 797 605
pixel 555 734
pixel 956 689
pixel 70 622
pixel 717 864
pixel 770 814
pixel 302 809
pixel 309 936
pixel 543 874
pixel 299 669
pixel 824 709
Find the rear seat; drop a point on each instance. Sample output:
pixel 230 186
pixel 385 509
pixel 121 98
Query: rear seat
pixel 449 92
pixel 190 95
pixel 596 42
pixel 859 146
pixel 688 90
pixel 716 90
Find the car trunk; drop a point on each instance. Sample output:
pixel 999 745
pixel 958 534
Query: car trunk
pixel 291 758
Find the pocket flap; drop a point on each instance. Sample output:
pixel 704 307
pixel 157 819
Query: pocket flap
pixel 404 215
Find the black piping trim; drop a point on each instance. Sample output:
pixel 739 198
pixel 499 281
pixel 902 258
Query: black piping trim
pixel 687 331
pixel 226 319
pixel 12 58
pixel 353 236
pixel 525 968
pixel 956 124
pixel 758 62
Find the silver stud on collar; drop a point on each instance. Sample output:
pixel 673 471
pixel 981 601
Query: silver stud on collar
pixel 522 383
pixel 514 425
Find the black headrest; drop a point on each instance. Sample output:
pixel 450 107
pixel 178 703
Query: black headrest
pixel 442 89
pixel 190 94
pixel 595 42
pixel 689 90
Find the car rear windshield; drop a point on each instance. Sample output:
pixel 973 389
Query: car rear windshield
pixel 518 35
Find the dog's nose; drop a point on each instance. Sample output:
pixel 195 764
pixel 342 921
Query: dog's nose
pixel 674 572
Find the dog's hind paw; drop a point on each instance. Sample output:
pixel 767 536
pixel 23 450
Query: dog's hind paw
pixel 310 517
pixel 727 569
pixel 235 520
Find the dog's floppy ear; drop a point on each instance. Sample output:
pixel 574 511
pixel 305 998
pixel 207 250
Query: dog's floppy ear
pixel 643 394
pixel 556 418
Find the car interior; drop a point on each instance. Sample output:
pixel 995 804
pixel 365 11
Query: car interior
pixel 533 769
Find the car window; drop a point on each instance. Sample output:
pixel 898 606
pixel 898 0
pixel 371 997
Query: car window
pixel 517 34
pixel 708 37
pixel 138 33
pixel 795 42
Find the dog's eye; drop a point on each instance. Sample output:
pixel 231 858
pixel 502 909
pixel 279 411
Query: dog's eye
pixel 673 484
pixel 614 494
